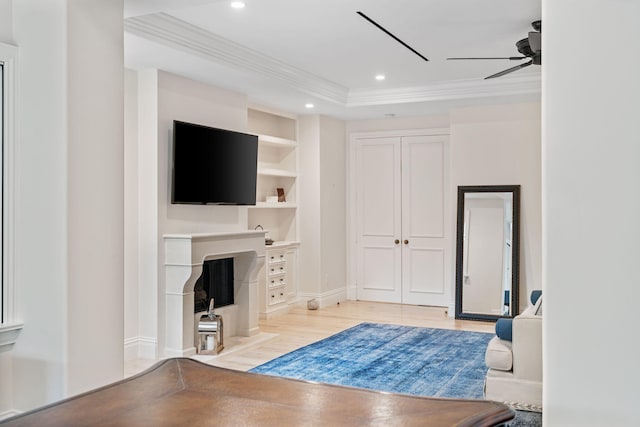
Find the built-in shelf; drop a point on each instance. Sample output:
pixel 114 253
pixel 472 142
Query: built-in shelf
pixel 277 205
pixel 277 172
pixel 274 141
pixel 282 243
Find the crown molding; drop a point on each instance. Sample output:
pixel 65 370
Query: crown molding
pixel 451 90
pixel 173 32
pixel 178 34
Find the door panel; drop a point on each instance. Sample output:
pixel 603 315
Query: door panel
pixel 425 272
pixel 423 186
pixel 379 185
pixel 379 219
pixel 378 275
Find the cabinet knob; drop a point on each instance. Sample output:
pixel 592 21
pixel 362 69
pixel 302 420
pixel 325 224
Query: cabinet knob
pixel 406 242
pixel 397 241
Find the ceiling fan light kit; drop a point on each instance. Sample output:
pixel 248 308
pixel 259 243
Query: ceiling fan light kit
pixel 530 47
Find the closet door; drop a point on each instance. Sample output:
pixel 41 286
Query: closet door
pixel 424 247
pixel 378 205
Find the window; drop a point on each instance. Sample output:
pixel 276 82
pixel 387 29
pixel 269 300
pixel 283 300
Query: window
pixel 9 326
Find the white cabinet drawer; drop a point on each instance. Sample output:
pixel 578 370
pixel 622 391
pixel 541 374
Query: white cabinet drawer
pixel 277 296
pixel 276 281
pixel 275 257
pixel 277 268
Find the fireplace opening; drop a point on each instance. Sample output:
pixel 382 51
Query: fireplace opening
pixel 215 282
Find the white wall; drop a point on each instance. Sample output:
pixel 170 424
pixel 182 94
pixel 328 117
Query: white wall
pixel 591 199
pixel 131 229
pixel 419 122
pixel 333 204
pixel 6 25
pixel 40 182
pixel 500 145
pixel 6 392
pixel 39 376
pixel 68 205
pixel 309 254
pixel 147 196
pixel 95 204
pixel 322 253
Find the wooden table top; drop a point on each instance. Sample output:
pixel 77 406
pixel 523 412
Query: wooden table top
pixel 184 392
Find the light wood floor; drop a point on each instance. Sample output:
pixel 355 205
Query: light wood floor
pixel 300 327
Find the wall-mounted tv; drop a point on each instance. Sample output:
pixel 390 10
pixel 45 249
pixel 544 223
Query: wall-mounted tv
pixel 213 166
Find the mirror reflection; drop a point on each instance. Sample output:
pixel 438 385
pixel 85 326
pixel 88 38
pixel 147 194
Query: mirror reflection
pixel 487 252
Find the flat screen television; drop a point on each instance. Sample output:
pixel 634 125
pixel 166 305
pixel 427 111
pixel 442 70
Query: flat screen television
pixel 213 166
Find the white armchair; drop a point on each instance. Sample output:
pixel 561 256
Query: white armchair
pixel 515 367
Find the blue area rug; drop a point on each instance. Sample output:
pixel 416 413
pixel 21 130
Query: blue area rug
pixel 399 359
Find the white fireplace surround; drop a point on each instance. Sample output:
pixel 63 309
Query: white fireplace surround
pixel 184 256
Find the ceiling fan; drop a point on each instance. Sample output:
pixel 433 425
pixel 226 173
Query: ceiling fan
pixel 531 47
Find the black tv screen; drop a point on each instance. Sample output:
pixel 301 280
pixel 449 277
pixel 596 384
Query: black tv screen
pixel 213 166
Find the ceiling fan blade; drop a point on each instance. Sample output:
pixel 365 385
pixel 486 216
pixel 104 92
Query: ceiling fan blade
pixel 511 58
pixel 509 70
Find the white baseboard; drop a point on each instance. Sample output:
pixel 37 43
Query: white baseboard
pixel 324 299
pixel 9 414
pixel 140 348
pixel 452 310
pixel 172 352
pixel 352 293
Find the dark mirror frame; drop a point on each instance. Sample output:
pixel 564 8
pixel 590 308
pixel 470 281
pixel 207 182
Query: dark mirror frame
pixel 515 253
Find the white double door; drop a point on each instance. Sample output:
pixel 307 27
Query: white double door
pixel 401 205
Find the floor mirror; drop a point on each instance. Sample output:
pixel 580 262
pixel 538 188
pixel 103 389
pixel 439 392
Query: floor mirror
pixel 487 252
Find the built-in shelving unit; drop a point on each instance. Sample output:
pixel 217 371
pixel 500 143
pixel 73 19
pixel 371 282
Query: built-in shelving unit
pixel 277 168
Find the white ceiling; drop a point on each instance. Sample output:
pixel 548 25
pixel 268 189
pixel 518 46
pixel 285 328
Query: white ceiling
pixel 286 53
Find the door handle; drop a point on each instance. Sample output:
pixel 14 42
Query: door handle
pixel 397 241
pixel 406 242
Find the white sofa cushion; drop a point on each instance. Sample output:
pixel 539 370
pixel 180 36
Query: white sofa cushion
pixel 499 355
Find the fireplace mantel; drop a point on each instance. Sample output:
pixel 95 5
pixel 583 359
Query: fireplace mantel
pixel 184 255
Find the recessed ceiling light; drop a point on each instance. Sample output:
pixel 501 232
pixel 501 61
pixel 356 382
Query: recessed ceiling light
pixel 237 4
pixel 308 105
pixel 380 77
